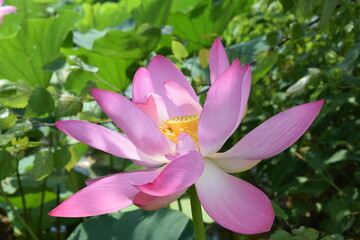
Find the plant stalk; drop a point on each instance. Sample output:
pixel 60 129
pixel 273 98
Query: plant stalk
pixel 198 222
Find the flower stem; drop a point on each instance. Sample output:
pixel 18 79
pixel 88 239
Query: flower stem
pixel 196 214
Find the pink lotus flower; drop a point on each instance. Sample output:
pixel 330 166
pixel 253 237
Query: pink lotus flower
pixel 167 130
pixel 4 10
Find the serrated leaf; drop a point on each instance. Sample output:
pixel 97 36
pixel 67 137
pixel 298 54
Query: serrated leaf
pixel 40 103
pixel 7 89
pixel 43 164
pixel 55 64
pixel 69 105
pixel 62 157
pixel 179 50
pixel 8 164
pixel 19 100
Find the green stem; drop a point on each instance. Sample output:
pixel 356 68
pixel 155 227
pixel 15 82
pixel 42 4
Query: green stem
pixel 196 214
pixel 30 231
pixel 22 194
pixel 41 209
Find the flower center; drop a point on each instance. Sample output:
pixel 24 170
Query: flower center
pixel 185 124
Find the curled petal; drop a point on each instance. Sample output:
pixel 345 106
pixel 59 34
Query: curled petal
pixel 234 203
pixel 151 203
pixel 154 107
pixel 182 99
pixel 138 127
pixel 142 85
pixel 176 176
pixel 109 194
pixel 224 107
pixel 218 61
pixel 103 139
pixel 274 135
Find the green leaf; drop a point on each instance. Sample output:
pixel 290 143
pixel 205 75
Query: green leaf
pixel 302 10
pixel 145 12
pixel 254 46
pixel 162 224
pixel 19 100
pixel 37 43
pixel 40 103
pixel 279 212
pixel 130 45
pixel 62 157
pixel 297 31
pixel 204 22
pixel 69 105
pixel 264 63
pixel 7 89
pixel 55 64
pixel 8 164
pixel 179 50
pixel 43 164
pixel 33 200
pixel 76 151
pixel 280 235
pixel 7 120
pixel 328 10
pixel 351 59
pixel 306 233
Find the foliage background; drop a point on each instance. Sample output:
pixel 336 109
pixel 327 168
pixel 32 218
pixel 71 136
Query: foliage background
pixel 52 52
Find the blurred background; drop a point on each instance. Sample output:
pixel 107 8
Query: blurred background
pixel 52 52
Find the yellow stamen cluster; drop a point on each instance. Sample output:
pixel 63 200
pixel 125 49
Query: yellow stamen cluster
pixel 185 124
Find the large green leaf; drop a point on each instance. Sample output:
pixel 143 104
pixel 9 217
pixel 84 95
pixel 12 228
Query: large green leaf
pixel 38 42
pixel 137 225
pixel 201 24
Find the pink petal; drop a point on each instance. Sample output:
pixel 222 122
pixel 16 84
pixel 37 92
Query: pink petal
pixel 234 203
pixel 154 107
pixel 6 10
pixel 138 127
pixel 274 135
pixel 151 203
pixel 142 85
pixel 1 2
pixel 218 61
pixel 182 99
pixel 185 144
pixel 176 176
pixel 106 195
pixel 104 139
pixel 162 70
pixel 224 107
